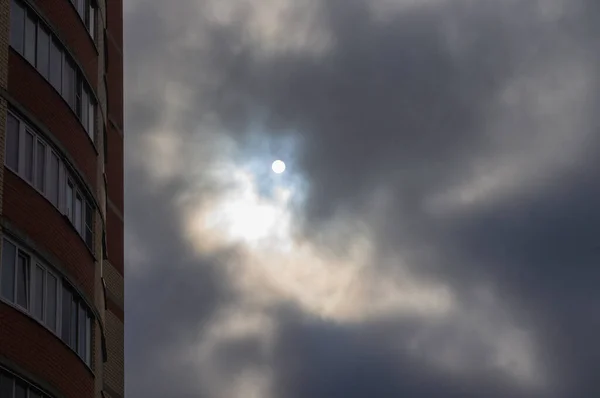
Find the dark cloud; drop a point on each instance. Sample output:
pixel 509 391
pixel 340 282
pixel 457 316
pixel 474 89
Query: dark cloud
pixel 321 359
pixel 403 105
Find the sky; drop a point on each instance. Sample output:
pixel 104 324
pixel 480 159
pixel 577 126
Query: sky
pixel 435 232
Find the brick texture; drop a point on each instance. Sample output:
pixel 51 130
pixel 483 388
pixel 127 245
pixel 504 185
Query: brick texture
pixel 33 347
pixel 114 45
pixel 114 167
pixel 113 368
pixel 38 96
pixel 115 239
pixel 114 283
pixel 35 216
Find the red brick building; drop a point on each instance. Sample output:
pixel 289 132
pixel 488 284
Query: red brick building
pixel 61 199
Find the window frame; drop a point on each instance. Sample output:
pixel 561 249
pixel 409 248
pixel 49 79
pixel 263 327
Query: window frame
pixel 12 380
pixel 55 188
pixel 72 77
pixel 77 302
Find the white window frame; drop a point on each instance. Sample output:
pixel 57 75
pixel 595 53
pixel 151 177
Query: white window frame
pixel 70 82
pixel 64 177
pixel 61 284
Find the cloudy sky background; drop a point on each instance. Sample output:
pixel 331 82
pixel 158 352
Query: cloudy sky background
pixel 436 233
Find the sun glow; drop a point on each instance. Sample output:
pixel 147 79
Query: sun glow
pixel 278 166
pixel 244 216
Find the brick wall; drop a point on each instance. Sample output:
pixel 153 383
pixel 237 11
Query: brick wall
pixel 114 167
pixel 33 347
pixel 37 95
pixel 114 237
pixel 113 368
pixel 52 232
pixel 114 20
pixel 73 33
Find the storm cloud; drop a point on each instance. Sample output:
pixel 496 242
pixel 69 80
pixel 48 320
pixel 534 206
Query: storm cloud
pixel 435 233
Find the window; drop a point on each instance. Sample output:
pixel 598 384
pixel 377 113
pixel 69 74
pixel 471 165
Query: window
pixel 32 159
pixel 73 329
pixel 80 8
pixel 43 52
pixel 51 299
pixel 53 182
pixel 23 281
pixel 91 118
pixel 92 21
pixel 77 324
pixel 81 331
pixel 88 340
pixel 7 277
pixel 12 142
pixel 85 107
pixel 17 26
pixel 6 385
pixel 30 38
pixel 38 292
pixel 89 225
pixel 56 58
pixel 78 219
pixel 66 316
pixel 87 12
pixel 69 197
pixel 68 83
pixel 31 285
pixel 14 387
pixel 40 182
pixel 20 389
pixel 28 158
pixel 33 40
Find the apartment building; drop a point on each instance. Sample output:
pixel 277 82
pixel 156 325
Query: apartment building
pixel 61 199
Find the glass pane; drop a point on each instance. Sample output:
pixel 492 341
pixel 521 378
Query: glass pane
pixel 78 209
pixel 69 200
pixel 9 251
pixel 88 341
pixel 92 23
pixel 33 394
pixel 6 385
pixel 17 26
pixel 12 142
pixel 38 293
pixel 40 166
pixel 43 52
pixel 89 225
pixel 66 316
pixel 28 166
pixel 91 118
pixel 74 306
pixel 82 322
pixel 23 282
pixel 20 389
pixel 81 8
pixel 30 30
pixel 53 179
pixel 68 84
pixel 78 99
pixel 55 65
pixel 51 301
pixel 85 105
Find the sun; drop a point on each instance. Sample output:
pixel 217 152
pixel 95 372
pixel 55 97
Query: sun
pixel 278 166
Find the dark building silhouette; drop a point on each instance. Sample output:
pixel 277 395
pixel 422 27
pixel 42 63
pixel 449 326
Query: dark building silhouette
pixel 61 199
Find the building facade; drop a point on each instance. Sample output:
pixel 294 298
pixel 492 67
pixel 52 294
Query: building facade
pixel 61 199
